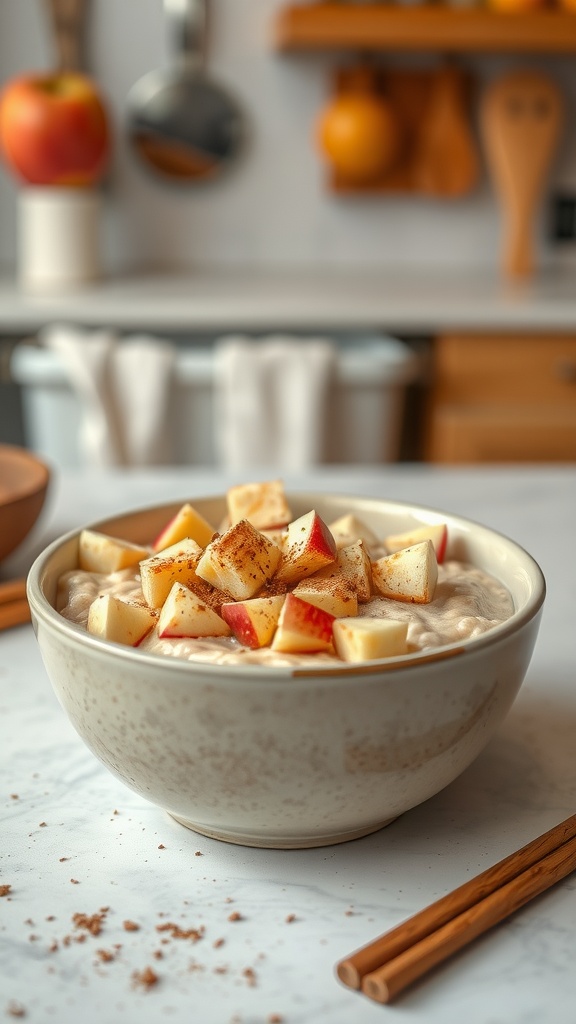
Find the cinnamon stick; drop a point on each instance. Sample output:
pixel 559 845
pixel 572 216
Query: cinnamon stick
pixel 385 967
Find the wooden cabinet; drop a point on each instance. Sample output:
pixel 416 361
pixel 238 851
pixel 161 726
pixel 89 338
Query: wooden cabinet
pixel 502 398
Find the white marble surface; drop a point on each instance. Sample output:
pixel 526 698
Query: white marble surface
pixel 425 300
pixel 74 840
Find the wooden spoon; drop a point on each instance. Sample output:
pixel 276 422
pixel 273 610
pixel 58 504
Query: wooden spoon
pixel 521 116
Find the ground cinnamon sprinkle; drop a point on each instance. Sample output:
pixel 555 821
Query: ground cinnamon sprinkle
pixel 16 1010
pixel 130 926
pixel 250 976
pixel 181 933
pixel 91 922
pixel 146 978
pixel 235 916
pixel 5 890
pixel 106 955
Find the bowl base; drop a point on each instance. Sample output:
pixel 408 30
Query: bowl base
pixel 283 842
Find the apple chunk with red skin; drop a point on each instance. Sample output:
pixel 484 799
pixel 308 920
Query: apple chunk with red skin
pixel 407 575
pixel 302 627
pixel 54 129
pixel 185 614
pixel 254 621
pixel 309 546
pixel 186 523
pixel 436 532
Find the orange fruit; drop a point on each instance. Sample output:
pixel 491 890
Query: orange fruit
pixel 357 133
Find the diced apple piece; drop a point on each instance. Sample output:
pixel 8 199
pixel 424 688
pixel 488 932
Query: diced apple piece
pixel 309 547
pixel 120 621
pixel 409 575
pixel 186 523
pixel 334 596
pixel 279 537
pixel 364 639
pixel 97 552
pixel 436 532
pixel 263 504
pixel 176 564
pixel 240 561
pixel 350 528
pixel 354 562
pixel 253 622
pixel 302 627
pixel 185 614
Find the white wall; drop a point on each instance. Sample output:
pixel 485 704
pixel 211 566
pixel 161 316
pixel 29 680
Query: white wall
pixel 273 209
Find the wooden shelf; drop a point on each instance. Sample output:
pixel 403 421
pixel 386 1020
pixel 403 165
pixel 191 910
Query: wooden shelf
pixel 329 26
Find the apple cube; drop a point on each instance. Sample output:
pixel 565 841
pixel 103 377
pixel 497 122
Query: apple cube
pixel 364 639
pixel 309 547
pixel 349 528
pixel 186 523
pixel 97 552
pixel 253 622
pixel 302 627
pixel 408 575
pixel 185 614
pixel 176 564
pixel 436 532
pixel 120 621
pixel 262 504
pixel 338 599
pixel 240 561
pixel 354 562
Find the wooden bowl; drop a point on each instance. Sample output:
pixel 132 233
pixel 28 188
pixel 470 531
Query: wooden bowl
pixel 23 486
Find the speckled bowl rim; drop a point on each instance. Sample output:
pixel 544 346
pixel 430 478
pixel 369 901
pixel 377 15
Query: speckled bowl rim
pixel 43 610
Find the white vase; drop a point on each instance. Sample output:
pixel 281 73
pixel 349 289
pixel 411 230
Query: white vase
pixel 58 243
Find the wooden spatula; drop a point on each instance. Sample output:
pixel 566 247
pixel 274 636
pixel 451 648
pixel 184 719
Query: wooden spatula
pixel 521 117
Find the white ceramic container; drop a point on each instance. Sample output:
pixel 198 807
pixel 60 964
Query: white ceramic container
pixel 284 757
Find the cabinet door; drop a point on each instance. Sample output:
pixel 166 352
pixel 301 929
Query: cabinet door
pixel 485 433
pixel 502 398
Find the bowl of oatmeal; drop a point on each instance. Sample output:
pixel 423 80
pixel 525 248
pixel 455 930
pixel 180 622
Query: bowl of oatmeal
pixel 290 679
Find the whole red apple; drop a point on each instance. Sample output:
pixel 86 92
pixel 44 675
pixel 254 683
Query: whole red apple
pixel 54 129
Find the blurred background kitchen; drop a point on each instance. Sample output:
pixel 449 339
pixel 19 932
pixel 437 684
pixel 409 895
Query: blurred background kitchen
pixel 371 259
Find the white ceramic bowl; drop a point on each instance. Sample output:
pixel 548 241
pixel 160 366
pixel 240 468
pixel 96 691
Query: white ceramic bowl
pixel 278 757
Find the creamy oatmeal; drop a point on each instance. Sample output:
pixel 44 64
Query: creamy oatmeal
pixel 467 602
pixel 270 587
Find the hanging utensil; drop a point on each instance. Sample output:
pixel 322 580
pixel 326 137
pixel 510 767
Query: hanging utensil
pixel 183 125
pixel 67 22
pixel 521 117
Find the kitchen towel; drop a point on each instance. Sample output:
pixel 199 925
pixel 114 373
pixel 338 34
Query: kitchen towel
pixel 271 399
pixel 124 388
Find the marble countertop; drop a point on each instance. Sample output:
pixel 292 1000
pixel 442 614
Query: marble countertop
pixel 420 301
pixel 245 936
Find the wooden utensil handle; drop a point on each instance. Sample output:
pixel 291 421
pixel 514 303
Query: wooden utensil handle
pixel 67 18
pixel 518 249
